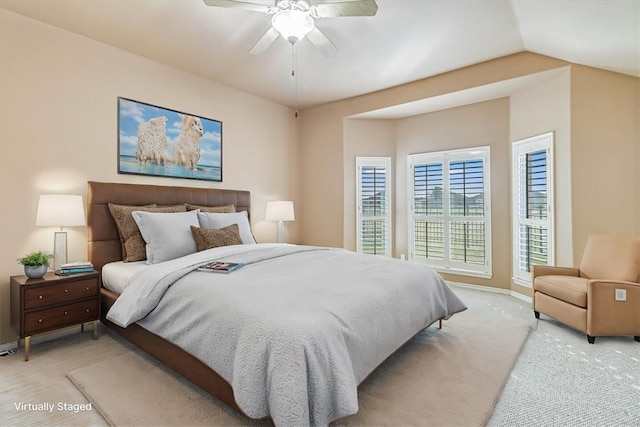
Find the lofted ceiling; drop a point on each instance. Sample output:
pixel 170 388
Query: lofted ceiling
pixel 407 40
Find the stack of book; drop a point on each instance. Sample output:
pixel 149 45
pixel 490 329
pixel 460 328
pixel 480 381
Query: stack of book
pixel 75 267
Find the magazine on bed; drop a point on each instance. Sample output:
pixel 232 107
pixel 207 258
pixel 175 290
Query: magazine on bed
pixel 220 267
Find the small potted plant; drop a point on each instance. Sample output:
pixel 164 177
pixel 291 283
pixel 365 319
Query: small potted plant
pixel 35 264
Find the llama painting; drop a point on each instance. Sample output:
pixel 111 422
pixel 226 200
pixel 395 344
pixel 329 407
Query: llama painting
pixel 162 142
pixel 186 149
pixel 152 141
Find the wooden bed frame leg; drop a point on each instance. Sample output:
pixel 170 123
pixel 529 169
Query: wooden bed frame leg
pixel 439 323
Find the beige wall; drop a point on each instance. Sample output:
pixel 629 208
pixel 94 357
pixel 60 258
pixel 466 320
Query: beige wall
pixel 58 115
pixel 605 141
pixel 322 178
pixel 366 138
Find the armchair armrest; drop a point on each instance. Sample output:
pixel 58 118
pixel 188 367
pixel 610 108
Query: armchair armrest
pixel 548 270
pixel 604 290
pixel 608 316
pixel 619 283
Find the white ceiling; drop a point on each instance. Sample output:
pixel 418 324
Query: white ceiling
pixel 407 40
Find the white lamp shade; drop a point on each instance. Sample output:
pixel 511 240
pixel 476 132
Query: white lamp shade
pixel 59 210
pixel 293 25
pixel 280 211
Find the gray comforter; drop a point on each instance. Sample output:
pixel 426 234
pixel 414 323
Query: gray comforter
pixel 295 330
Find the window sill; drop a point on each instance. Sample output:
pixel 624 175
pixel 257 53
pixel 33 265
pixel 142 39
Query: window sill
pixel 459 272
pixel 522 282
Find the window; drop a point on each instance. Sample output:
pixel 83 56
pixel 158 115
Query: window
pixel 450 221
pixel 533 243
pixel 373 194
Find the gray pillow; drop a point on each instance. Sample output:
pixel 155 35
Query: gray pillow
pixel 220 220
pixel 168 235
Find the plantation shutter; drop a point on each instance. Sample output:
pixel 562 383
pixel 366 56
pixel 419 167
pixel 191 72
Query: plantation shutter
pixel 373 205
pixel 428 209
pixel 466 209
pixel 532 206
pixel 449 227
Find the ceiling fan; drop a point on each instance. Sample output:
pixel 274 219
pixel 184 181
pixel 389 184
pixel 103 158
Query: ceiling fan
pixel 294 19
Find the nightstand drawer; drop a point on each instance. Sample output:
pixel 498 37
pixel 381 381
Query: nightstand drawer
pixel 58 317
pixel 53 294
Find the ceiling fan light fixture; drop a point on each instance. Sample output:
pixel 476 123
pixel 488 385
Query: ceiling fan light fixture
pixel 293 24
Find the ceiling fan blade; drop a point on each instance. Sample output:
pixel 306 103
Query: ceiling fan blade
pixel 266 40
pixel 321 41
pixel 258 7
pixel 351 8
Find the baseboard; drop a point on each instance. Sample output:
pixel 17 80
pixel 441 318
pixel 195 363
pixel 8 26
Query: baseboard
pixel 490 289
pixel 11 346
pixel 525 298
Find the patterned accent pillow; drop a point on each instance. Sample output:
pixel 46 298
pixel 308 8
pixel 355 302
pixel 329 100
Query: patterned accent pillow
pixel 133 245
pixel 121 215
pixel 218 209
pixel 207 238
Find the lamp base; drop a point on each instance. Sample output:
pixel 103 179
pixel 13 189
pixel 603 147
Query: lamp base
pixel 59 249
pixel 280 231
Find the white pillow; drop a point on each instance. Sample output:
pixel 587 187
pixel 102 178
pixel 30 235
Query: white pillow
pixel 220 220
pixel 168 235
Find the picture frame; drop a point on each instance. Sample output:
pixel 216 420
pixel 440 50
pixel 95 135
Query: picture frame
pixel 159 141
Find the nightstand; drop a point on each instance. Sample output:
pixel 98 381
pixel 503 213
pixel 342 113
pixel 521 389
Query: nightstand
pixel 53 302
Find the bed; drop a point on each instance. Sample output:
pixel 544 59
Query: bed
pixel 288 336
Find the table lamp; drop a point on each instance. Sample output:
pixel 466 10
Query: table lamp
pixel 280 211
pixel 59 210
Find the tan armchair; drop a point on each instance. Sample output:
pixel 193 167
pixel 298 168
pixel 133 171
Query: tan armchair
pixel 602 297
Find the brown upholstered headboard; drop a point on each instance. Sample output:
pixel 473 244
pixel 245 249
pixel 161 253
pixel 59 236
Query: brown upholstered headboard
pixel 104 241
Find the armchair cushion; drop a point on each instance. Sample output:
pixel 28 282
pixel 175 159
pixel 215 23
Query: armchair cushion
pixel 570 289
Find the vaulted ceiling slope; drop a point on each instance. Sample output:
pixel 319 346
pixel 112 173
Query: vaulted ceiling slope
pixel 406 40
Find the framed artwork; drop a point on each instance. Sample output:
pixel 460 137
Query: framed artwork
pixel 162 142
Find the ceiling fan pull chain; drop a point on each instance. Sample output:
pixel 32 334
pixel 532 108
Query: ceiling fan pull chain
pixel 294 74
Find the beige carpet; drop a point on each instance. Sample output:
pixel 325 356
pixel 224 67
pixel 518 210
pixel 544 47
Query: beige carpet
pixel 448 377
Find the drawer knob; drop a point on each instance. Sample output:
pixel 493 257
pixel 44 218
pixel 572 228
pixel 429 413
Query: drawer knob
pixel 66 290
pixel 39 296
pixel 87 288
pixel 87 310
pixel 39 320
pixel 66 312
